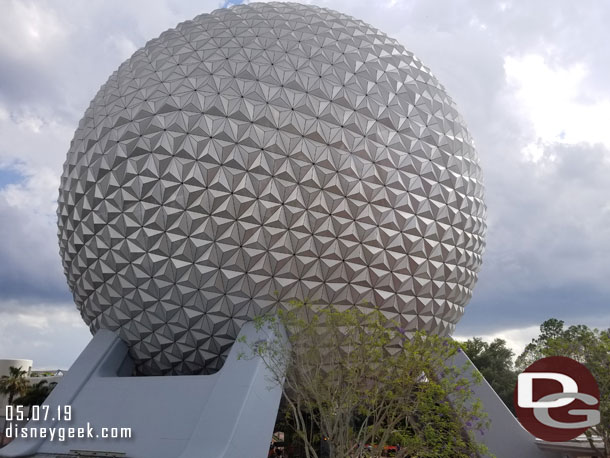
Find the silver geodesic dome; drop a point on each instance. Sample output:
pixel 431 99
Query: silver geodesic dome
pixel 262 153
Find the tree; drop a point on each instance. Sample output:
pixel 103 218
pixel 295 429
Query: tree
pixel 358 381
pixel 495 362
pixel 14 384
pixel 35 394
pixel 590 347
pixel 554 340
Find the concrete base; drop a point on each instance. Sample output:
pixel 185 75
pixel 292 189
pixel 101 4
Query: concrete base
pixel 230 414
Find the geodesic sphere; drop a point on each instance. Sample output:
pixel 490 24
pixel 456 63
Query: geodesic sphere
pixel 258 154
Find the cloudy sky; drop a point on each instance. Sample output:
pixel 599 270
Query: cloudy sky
pixel 530 78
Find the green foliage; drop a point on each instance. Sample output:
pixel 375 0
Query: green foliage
pixel 14 384
pixel 590 347
pixel 555 340
pixel 495 362
pixel 361 379
pixel 35 394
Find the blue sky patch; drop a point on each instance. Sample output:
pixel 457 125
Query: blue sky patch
pixel 228 3
pixel 8 176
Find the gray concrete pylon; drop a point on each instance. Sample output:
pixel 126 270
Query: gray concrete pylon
pixel 229 414
pixel 505 437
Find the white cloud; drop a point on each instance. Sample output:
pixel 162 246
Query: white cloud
pixel 555 101
pixel 34 195
pixel 51 335
pixel 122 45
pixel 29 255
pixel 29 30
pixel 516 339
pixel 34 139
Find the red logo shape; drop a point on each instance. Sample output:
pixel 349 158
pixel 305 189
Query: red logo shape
pixel 557 399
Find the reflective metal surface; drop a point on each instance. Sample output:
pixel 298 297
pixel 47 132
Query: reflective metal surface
pixel 258 154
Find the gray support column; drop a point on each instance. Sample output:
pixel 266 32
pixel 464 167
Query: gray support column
pixel 229 414
pixel 505 438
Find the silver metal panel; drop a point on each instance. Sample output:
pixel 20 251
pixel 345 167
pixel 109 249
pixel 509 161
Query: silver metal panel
pixel 262 153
